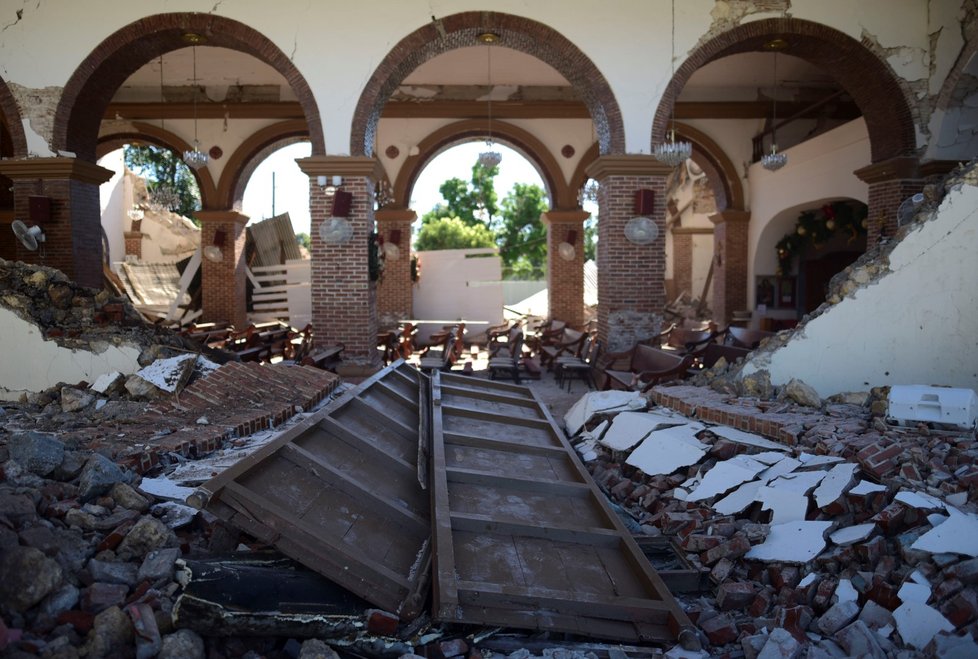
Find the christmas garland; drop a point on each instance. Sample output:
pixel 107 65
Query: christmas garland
pixel 815 227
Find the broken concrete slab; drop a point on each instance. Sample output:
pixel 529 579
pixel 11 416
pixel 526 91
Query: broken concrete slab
pixel 785 505
pixel 738 500
pixel 746 438
pixel 863 488
pixel 834 484
pixel 919 500
pixel 785 465
pixel 918 623
pixel 958 535
pixel 598 402
pixel 725 476
pixel 795 542
pixel 629 428
pixel 800 482
pixel 852 534
pixel 665 451
pixel 169 375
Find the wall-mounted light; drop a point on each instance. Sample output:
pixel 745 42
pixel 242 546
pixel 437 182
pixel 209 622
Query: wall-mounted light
pixel 214 252
pixel 329 184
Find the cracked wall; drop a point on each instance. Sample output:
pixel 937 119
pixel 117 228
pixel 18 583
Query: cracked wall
pixel 909 316
pixel 37 109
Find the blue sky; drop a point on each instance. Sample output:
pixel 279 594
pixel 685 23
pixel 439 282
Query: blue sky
pixel 292 187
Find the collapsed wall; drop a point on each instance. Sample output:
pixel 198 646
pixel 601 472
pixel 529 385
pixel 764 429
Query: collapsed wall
pixel 57 331
pixel 905 313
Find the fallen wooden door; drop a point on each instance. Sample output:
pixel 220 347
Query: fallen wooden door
pixel 522 535
pixel 340 493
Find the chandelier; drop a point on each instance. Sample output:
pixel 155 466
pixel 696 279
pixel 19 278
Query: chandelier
pixel 196 158
pixel 776 159
pixel 163 196
pixel 671 152
pixel 490 157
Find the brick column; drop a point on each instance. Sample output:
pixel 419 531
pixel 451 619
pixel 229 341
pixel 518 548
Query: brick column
pixel 729 264
pixel 223 281
pixel 73 233
pixel 890 182
pixel 395 290
pixel 344 300
pixel 682 261
pixel 565 278
pixel 631 278
pixel 134 239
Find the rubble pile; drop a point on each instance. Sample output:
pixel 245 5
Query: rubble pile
pixel 78 317
pixel 829 547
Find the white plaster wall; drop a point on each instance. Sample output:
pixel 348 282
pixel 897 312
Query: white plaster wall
pixel 459 284
pixel 916 325
pixel 629 41
pixel 37 364
pixel 114 199
pixel 818 169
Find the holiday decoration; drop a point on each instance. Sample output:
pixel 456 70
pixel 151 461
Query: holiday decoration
pixel 815 227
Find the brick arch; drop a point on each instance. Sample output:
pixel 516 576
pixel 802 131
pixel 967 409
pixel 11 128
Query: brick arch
pixel 12 121
pixel 561 196
pixel 515 32
pixel 580 177
pixel 882 98
pixel 246 158
pixel 91 87
pixel 156 136
pixel 719 168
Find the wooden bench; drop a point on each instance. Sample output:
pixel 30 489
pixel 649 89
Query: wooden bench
pixel 325 358
pixel 641 367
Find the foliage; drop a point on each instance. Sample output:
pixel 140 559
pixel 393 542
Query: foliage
pixel 472 202
pixel 815 227
pixel 452 233
pixel 162 166
pixel 415 268
pixel 304 239
pixel 522 238
pixel 375 264
pixel 591 239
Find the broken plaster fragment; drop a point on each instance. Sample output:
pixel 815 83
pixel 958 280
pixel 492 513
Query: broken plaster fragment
pixel 785 506
pixel 746 438
pixel 801 482
pixel 629 428
pixel 597 402
pixel 852 534
pixel 664 452
pixel 834 484
pixel 736 501
pixel 794 542
pixel 862 488
pixel 725 476
pixel 918 623
pixel 957 535
pixel 919 500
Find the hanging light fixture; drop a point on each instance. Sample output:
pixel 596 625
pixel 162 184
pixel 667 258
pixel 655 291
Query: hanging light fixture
pixel 490 157
pixel 163 196
pixel 671 152
pixel 196 158
pixel 776 159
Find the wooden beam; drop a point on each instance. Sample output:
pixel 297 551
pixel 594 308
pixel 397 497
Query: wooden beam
pixel 579 535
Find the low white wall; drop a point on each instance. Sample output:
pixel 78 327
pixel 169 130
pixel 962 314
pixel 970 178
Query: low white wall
pixel 459 284
pixel 35 364
pixel 916 325
pixel 518 290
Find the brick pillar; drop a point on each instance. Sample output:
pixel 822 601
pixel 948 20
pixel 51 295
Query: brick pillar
pixel 395 290
pixel 565 278
pixel 73 233
pixel 631 278
pixel 223 281
pixel 890 182
pixel 729 264
pixel 134 240
pixel 344 300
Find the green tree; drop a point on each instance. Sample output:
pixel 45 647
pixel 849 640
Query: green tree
pixel 591 238
pixel 161 166
pixel 473 202
pixel 452 233
pixel 304 239
pixel 522 237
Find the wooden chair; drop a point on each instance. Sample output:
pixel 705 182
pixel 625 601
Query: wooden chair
pixel 501 342
pixel 405 340
pixel 440 359
pixel 569 344
pixel 568 368
pixel 684 341
pixel 546 334
pixel 508 363
pixel 641 368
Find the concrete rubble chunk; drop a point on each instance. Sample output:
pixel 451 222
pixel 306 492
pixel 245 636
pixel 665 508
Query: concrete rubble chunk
pixel 108 382
pixel 39 452
pixel 113 572
pixel 111 635
pixel 127 497
pixel 74 400
pixel 148 534
pixel 834 484
pixel 949 646
pixel 98 477
pixel 875 616
pixel 780 645
pixel 665 451
pixel 629 428
pixel 845 591
pixel 725 476
pixel 795 542
pixel 919 500
pixel 600 402
pixel 182 644
pixel 858 640
pixel 959 535
pixel 27 576
pixel 158 564
pixel 801 393
pixel 838 616
pixel 173 514
pixel 169 375
pixel 746 438
pixel 852 534
pixel 918 623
